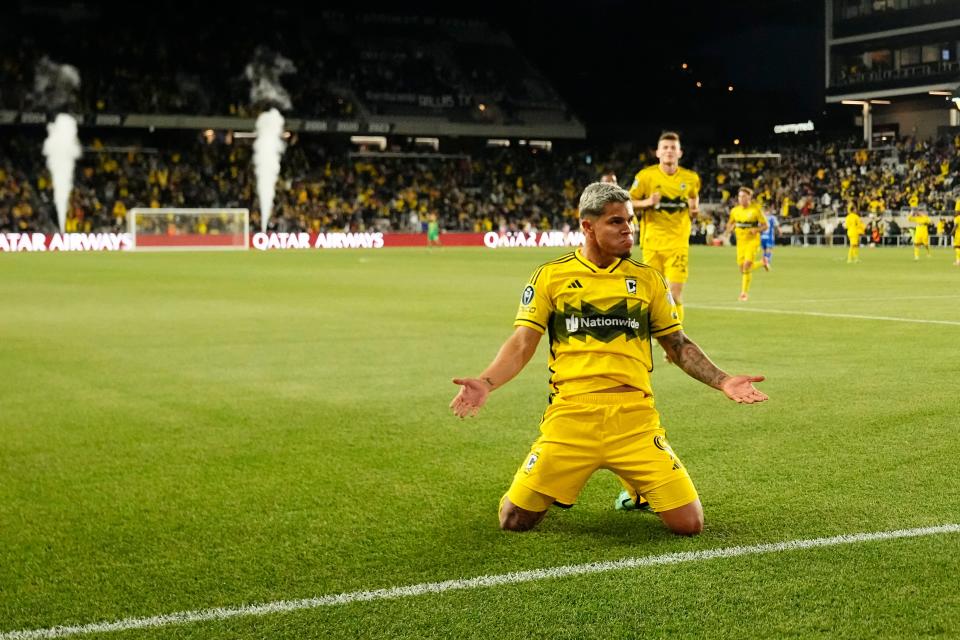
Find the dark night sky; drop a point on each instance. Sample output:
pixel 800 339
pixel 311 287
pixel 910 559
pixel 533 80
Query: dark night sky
pixel 617 62
pixel 772 52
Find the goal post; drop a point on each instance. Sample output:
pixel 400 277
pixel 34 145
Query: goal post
pixel 173 229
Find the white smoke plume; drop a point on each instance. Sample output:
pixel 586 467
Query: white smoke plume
pixel 62 150
pixel 264 73
pixel 54 84
pixel 267 149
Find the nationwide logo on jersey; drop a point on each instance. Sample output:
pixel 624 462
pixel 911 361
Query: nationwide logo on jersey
pixel 604 325
pixel 672 205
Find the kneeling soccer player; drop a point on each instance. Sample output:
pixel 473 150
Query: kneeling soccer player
pixel 601 309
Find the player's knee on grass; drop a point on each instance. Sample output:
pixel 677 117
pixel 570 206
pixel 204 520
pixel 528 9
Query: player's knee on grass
pixel 684 521
pixel 514 518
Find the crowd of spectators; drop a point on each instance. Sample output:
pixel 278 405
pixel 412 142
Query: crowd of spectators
pixel 318 190
pixel 330 189
pixel 837 176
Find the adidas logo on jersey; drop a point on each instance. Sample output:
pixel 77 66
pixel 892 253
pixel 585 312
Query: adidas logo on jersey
pixel 575 285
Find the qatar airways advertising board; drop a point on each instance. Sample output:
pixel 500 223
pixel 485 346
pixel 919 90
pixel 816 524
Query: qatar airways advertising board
pixel 37 242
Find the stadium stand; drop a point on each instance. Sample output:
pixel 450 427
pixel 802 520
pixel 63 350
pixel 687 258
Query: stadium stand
pixel 342 65
pixel 330 189
pixel 365 66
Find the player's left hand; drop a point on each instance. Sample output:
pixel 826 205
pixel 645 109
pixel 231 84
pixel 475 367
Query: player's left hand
pixel 473 394
pixel 740 389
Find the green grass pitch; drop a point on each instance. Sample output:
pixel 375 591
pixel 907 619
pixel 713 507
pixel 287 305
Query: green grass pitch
pixel 188 431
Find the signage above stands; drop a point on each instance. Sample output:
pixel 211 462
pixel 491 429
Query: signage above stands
pixel 794 128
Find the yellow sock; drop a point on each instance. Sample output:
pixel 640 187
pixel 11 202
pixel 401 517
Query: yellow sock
pixel 850 254
pixel 745 286
pixel 956 253
pixel 679 314
pixel 856 253
pixel 916 252
pixel 756 265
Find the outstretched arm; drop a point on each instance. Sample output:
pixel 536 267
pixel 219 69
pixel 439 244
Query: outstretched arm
pixel 510 360
pixel 685 353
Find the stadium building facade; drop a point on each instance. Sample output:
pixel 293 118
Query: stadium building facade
pixel 898 61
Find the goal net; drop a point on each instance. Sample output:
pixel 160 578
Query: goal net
pixel 188 229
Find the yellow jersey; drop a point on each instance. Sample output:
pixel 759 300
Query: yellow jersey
pixel 854 225
pixel 747 222
pixel 600 321
pixel 666 226
pixel 922 232
pixel 956 231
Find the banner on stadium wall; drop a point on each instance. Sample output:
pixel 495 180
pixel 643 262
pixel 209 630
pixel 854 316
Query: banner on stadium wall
pixel 491 240
pixel 34 242
pixel 11 242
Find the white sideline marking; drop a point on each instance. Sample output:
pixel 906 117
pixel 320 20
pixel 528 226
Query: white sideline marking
pixel 873 299
pixel 280 606
pixel 820 314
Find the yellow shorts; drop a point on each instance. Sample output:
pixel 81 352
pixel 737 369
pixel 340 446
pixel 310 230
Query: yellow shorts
pixel 854 240
pixel 923 241
pixel 616 431
pixel 672 264
pixel 747 250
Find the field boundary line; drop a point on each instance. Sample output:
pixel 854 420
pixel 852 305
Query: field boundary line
pixel 517 577
pixel 821 314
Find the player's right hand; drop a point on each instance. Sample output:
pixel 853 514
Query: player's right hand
pixel 740 389
pixel 473 394
pixel 655 198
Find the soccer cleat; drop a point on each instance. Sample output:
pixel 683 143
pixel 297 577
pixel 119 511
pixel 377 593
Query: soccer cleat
pixel 625 502
pixel 743 297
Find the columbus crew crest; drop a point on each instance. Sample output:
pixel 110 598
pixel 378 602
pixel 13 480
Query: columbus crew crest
pixel 631 286
pixel 532 460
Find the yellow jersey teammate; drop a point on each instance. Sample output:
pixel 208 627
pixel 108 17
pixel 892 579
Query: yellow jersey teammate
pixel 921 235
pixel 855 228
pixel 601 310
pixel 749 222
pixel 667 197
pixel 956 240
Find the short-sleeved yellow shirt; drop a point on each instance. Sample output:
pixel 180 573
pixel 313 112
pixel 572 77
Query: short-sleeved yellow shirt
pixel 600 321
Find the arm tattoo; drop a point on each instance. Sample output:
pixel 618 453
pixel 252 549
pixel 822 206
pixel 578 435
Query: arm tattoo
pixel 685 353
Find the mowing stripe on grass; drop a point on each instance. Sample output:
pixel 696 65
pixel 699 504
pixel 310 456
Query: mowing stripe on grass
pixel 280 606
pixel 819 314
